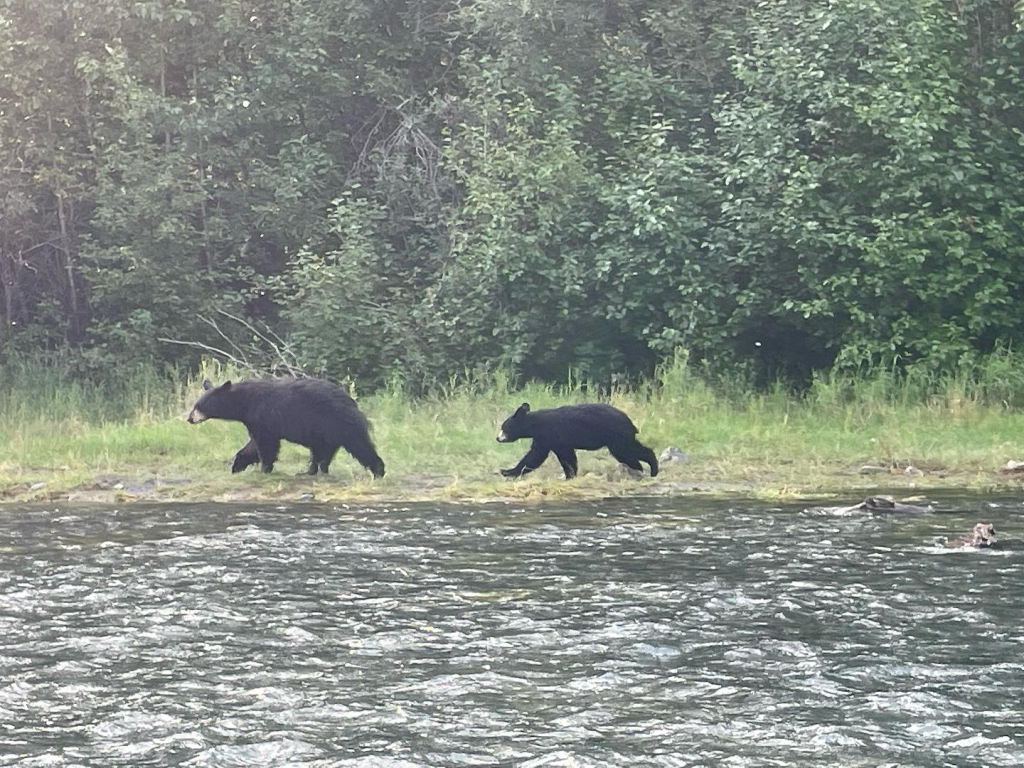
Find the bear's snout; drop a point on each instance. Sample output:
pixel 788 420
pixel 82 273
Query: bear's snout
pixel 196 416
pixel 502 437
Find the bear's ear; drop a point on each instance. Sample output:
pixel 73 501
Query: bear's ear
pixel 523 409
pixel 207 385
pixel 226 385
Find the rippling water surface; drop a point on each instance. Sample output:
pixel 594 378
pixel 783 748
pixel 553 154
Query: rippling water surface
pixel 634 632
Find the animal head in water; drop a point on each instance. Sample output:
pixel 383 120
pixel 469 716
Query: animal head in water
pixel 215 403
pixel 984 535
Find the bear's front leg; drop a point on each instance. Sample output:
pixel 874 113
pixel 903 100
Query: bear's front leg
pixel 533 459
pixel 268 448
pixel 246 457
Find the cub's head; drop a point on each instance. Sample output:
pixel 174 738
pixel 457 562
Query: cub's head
pixel 515 426
pixel 215 403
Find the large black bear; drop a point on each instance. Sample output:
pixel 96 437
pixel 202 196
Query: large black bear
pixel 585 427
pixel 310 412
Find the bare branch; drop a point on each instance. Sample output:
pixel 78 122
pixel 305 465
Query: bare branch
pixel 208 348
pixel 268 354
pixel 224 336
pixel 285 358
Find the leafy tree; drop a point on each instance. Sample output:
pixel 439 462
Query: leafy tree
pixel 418 188
pixel 870 198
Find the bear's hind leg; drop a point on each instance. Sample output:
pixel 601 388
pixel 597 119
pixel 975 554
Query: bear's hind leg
pixel 320 459
pixel 626 456
pixel 362 450
pixel 632 455
pixel 533 459
pixel 567 458
pixel 647 455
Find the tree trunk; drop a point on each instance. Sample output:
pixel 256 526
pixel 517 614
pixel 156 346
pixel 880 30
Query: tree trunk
pixel 67 248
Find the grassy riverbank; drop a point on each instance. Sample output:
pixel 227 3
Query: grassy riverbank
pixel 60 439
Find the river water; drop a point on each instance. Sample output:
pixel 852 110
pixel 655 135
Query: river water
pixel 621 633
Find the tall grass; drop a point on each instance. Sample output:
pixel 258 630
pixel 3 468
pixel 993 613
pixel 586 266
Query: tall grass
pixel 964 421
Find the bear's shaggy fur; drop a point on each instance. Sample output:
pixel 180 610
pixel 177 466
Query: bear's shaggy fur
pixel 565 430
pixel 310 412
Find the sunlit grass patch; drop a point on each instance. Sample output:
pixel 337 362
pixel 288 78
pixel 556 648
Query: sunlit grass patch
pixel 961 429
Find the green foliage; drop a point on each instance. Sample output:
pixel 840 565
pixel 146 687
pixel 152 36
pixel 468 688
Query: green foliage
pixel 414 191
pixel 353 311
pixel 869 192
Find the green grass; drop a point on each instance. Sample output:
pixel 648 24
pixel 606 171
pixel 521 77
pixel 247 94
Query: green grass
pixel 960 429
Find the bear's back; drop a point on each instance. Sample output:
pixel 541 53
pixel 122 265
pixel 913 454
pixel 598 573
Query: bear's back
pixel 586 425
pixel 300 405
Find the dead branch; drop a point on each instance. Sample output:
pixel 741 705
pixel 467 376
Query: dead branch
pixel 226 356
pixel 267 354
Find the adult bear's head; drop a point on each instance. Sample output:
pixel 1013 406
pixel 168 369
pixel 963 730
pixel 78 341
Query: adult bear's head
pixel 215 403
pixel 515 426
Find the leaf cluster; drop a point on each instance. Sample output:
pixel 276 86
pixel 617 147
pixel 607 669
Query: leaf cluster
pixel 412 190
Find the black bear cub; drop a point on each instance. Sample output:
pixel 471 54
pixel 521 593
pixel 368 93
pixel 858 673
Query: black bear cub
pixel 310 412
pixel 563 430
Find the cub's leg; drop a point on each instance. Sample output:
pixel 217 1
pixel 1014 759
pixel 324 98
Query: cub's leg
pixel 533 459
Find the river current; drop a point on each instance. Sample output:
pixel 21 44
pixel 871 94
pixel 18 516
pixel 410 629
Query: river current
pixel 621 633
